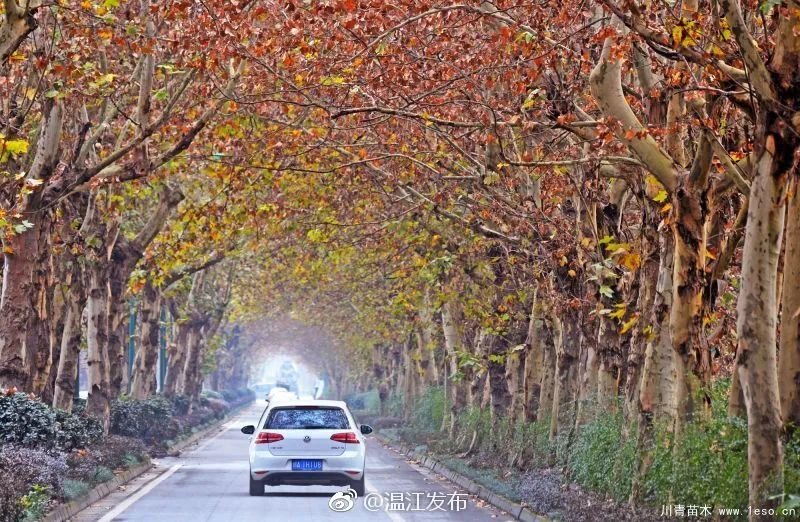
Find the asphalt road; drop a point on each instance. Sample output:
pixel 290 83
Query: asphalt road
pixel 210 483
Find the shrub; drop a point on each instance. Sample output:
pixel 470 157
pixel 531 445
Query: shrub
pixel 429 411
pixel 76 430
pixel 228 395
pixel 235 396
pixel 116 452
pixel 148 419
pixel 600 459
pixel 75 489
pixel 34 504
pixel 129 460
pixel 100 474
pixel 708 465
pixel 23 468
pixel 211 394
pixel 198 417
pixel 219 407
pixel 394 405
pixel 364 403
pixel 26 421
pixel 180 404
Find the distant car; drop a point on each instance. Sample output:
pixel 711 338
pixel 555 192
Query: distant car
pixel 306 442
pixel 287 376
pixel 277 390
pixel 264 388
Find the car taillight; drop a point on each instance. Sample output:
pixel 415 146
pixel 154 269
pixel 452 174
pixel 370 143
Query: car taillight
pixel 265 437
pixel 347 438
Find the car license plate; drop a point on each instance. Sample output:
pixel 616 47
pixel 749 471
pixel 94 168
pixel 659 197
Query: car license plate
pixel 307 465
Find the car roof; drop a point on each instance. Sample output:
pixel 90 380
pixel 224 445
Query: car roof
pixel 311 402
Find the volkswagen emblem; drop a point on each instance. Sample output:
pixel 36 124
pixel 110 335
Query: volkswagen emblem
pixel 306 439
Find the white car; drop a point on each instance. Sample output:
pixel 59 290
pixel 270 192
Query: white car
pixel 305 443
pixel 280 392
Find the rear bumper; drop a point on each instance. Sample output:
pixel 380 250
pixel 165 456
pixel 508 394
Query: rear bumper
pixel 306 478
pixel 345 467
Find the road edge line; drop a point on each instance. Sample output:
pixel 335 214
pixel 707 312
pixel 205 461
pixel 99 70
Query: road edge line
pixel 144 490
pixel 65 511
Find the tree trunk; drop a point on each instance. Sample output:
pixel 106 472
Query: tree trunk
pixel 514 384
pixel 566 378
pixel 756 361
pixel 656 400
pixel 533 370
pixel 39 344
pixel 70 341
pixel 479 371
pixel 176 360
pixel 99 403
pixel 16 307
pixel 191 373
pixel 120 269
pixel 548 383
pixel 21 251
pixel 789 354
pixel 657 396
pixel 648 280
pixel 498 384
pixel 410 378
pixel 454 344
pixel 143 380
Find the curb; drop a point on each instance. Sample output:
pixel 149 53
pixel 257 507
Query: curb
pixel 518 511
pixel 64 512
pixel 70 509
pixel 179 446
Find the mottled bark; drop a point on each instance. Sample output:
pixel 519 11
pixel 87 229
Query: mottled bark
pixel 514 384
pixel 496 373
pixel 656 398
pixel 18 22
pixel 534 360
pixel 70 341
pixel 477 383
pixel 756 360
pixel 18 306
pixel 565 393
pixel 551 332
pixel 410 379
pixel 789 354
pixel 45 317
pixel 99 403
pixel 648 278
pixel 143 379
pixel 454 345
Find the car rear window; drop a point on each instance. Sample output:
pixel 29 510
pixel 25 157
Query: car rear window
pixel 307 418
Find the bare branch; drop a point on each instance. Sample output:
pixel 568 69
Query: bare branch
pixel 606 86
pixel 757 69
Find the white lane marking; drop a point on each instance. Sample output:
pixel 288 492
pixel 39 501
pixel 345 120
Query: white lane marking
pixel 393 516
pixel 128 502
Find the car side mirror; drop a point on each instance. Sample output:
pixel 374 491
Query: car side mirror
pixel 249 429
pixel 366 430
